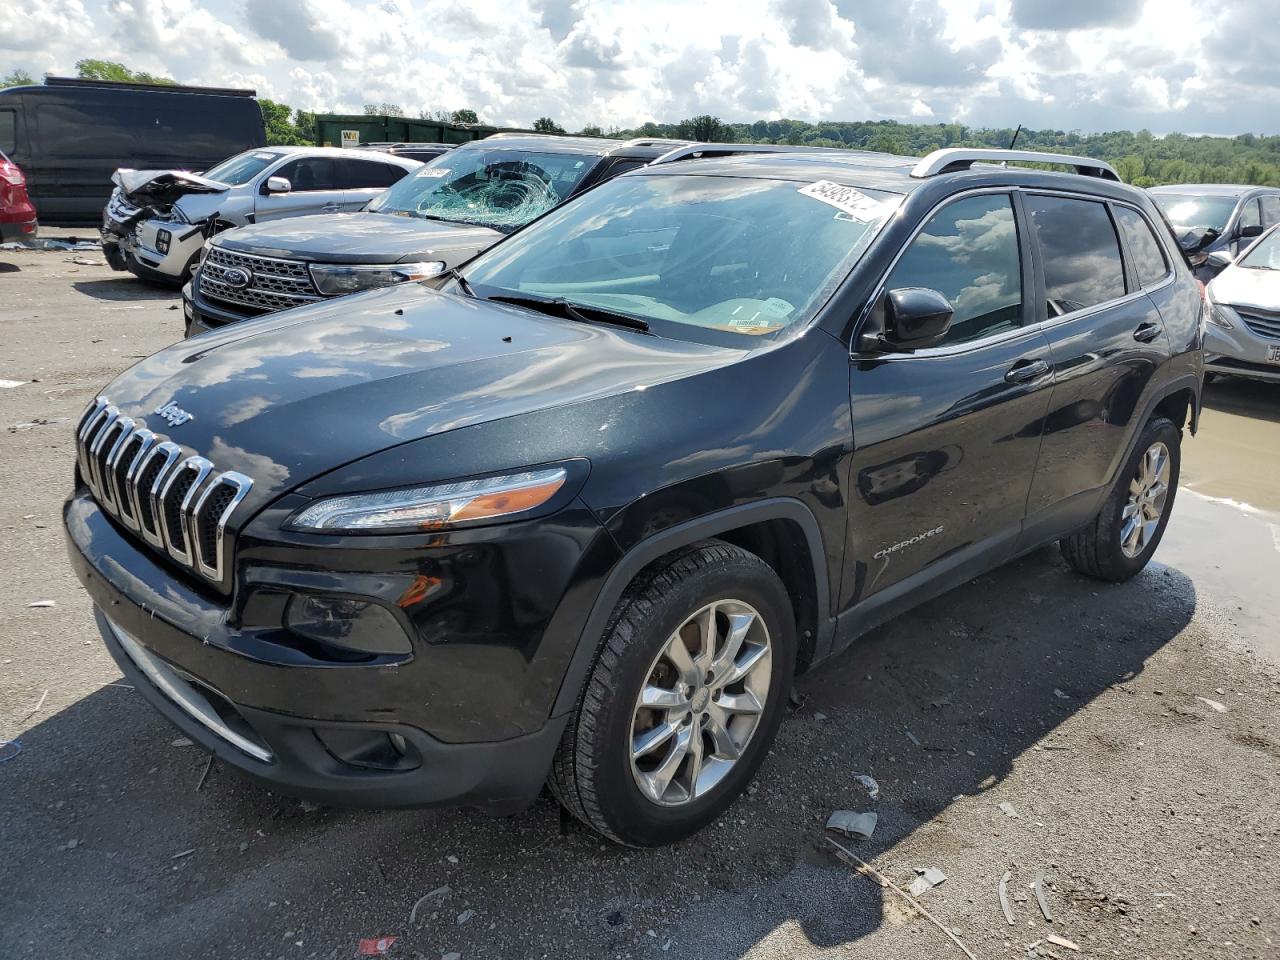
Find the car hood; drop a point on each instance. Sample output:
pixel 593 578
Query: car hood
pixel 361 238
pixel 1247 287
pixel 162 186
pixel 288 397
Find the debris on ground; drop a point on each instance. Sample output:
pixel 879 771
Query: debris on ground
pixel 1060 694
pixel 1005 905
pixel 464 916
pixel 1213 704
pixel 929 877
pixel 912 737
pixel 1058 941
pixel 1007 809
pixel 869 782
pixel 869 871
pixel 36 709
pixel 9 749
pixel 181 742
pixel 183 853
pixel 42 604
pixel 46 243
pixel 204 776
pixel 37 422
pixel 308 806
pixel 1038 886
pixel 451 955
pixel 71 844
pixel 85 262
pixel 10 384
pixel 439 893
pixel 860 826
pixel 375 946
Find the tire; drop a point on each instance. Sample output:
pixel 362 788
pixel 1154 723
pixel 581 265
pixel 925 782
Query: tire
pixel 1100 549
pixel 594 775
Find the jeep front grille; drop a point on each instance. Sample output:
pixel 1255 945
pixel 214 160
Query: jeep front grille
pixel 274 284
pixel 179 505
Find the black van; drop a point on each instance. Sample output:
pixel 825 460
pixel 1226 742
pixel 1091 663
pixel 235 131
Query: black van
pixel 69 136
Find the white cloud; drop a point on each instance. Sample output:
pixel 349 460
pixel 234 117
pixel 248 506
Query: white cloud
pixel 1087 64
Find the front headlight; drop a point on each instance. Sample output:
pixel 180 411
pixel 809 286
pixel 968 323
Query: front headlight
pixel 335 279
pixel 1217 314
pixel 436 507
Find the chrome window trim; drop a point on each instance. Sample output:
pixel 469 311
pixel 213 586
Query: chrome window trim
pixel 171 452
pixel 242 484
pixel 1007 335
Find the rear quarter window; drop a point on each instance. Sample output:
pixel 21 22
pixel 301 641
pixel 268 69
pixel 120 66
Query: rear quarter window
pixel 363 174
pixel 1079 253
pixel 1148 259
pixel 8 131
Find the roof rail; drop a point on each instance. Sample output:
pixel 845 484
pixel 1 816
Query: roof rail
pixel 734 149
pixel 153 87
pixel 654 142
pixel 962 158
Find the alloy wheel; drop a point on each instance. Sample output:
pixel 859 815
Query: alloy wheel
pixel 701 702
pixel 1148 492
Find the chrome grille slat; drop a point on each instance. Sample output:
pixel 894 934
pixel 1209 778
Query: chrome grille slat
pixel 277 284
pixel 179 504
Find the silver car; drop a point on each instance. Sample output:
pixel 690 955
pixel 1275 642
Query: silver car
pixel 1243 334
pixel 156 221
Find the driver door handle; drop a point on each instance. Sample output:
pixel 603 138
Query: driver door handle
pixel 1146 332
pixel 1025 371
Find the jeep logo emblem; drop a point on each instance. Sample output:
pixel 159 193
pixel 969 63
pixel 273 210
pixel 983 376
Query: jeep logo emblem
pixel 237 278
pixel 172 414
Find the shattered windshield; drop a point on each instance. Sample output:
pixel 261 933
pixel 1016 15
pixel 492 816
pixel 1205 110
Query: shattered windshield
pixel 241 168
pixel 502 189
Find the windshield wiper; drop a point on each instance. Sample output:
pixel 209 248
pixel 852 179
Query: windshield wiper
pixel 463 284
pixel 580 312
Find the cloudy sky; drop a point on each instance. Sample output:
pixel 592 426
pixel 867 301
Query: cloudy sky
pixel 1092 65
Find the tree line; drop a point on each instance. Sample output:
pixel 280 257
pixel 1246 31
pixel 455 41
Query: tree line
pixel 1140 158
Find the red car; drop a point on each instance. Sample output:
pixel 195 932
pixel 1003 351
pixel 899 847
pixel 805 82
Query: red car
pixel 17 214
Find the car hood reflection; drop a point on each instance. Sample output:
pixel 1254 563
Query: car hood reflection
pixel 290 396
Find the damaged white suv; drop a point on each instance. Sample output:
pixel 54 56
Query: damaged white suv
pixel 156 221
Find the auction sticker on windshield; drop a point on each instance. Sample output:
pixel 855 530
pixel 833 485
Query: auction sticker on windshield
pixel 849 200
pixel 433 172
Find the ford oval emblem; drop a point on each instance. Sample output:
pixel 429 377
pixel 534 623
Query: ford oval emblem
pixel 237 278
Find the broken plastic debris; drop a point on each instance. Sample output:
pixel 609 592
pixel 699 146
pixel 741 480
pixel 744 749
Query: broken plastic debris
pixel 9 749
pixel 464 916
pixel 912 737
pixel 1007 809
pixel 929 877
pixel 375 946
pixel 858 825
pixel 1004 898
pixel 1058 941
pixel 181 742
pixel 43 603
pixel 183 853
pixel 1213 704
pixel 1038 886
pixel 10 384
pixel 437 893
pixel 869 782
pixel 1060 695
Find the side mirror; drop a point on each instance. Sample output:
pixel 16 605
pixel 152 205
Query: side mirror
pixel 1220 259
pixel 914 317
pixel 278 185
pixel 1252 230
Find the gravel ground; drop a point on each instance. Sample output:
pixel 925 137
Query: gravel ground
pixel 1133 729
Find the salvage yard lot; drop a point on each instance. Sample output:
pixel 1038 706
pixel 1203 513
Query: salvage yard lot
pixel 1133 731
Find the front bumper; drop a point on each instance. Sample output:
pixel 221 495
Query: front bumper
pixel 202 316
pixel 309 727
pixel 134 248
pixel 1241 352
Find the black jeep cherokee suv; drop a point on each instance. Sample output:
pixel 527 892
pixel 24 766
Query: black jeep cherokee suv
pixel 580 513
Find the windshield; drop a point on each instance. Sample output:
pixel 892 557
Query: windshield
pixel 502 189
pixel 727 255
pixel 241 168
pixel 1265 254
pixel 1187 212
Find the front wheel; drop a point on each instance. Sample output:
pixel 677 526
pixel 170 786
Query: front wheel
pixel 684 700
pixel 1119 541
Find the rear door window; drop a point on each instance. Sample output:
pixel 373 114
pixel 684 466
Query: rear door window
pixel 364 174
pixel 1144 249
pixel 968 252
pixel 1270 207
pixel 1079 253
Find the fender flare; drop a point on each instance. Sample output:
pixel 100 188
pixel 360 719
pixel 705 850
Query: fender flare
pixel 682 535
pixel 1187 381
